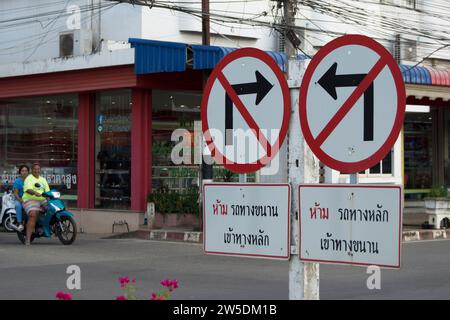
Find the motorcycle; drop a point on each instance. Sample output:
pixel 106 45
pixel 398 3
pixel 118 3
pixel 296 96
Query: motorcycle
pixel 8 211
pixel 55 220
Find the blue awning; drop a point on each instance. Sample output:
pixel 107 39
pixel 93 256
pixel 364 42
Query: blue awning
pixel 206 57
pixel 153 56
pixel 158 56
pixel 416 75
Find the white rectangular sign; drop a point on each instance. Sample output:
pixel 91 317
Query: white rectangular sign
pixel 351 224
pixel 247 220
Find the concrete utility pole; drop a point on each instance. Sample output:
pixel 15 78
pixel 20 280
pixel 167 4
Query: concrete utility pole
pixel 303 168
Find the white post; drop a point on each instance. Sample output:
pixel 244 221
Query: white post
pixel 303 168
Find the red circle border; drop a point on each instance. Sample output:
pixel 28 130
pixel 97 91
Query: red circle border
pixel 352 167
pixel 261 55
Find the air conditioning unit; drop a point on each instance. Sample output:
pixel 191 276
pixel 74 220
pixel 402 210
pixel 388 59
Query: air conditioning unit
pixel 405 49
pixel 75 43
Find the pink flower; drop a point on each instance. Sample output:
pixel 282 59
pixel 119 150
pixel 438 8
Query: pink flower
pixel 68 296
pixel 124 281
pixel 170 284
pixel 121 298
pixel 60 295
pixel 165 283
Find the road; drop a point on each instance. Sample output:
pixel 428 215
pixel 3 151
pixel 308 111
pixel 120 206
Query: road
pixel 38 271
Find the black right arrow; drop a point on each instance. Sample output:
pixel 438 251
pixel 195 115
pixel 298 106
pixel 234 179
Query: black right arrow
pixel 330 81
pixel 261 87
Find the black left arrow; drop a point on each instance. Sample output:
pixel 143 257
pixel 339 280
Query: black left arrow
pixel 330 81
pixel 261 87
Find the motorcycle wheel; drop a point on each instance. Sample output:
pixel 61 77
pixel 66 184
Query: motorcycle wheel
pixel 22 236
pixel 66 230
pixel 8 222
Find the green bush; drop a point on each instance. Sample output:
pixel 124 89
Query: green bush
pixel 170 201
pixel 438 192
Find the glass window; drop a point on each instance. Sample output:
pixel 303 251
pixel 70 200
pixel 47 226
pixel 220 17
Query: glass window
pixel 113 150
pixel 178 110
pixel 382 167
pixel 447 148
pixel 418 150
pixel 44 130
pixel 170 111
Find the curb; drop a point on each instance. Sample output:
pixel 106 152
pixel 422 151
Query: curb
pixel 181 236
pixel 197 237
pixel 420 235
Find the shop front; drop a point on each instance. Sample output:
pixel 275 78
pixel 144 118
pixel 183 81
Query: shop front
pixel 104 136
pixel 426 147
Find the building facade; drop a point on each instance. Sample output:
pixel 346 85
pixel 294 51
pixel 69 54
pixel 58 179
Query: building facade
pixel 83 94
pixel 93 90
pixel 414 32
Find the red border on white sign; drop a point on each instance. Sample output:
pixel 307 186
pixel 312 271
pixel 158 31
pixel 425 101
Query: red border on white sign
pixel 217 75
pixel 386 59
pixel 353 186
pixel 250 255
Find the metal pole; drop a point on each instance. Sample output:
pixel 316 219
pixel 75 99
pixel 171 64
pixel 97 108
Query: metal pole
pixel 206 170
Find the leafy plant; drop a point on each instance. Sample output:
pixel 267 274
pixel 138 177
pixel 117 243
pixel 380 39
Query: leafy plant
pixel 130 292
pixel 170 201
pixel 438 192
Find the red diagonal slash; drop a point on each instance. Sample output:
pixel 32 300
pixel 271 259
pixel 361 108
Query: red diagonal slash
pixel 245 114
pixel 351 101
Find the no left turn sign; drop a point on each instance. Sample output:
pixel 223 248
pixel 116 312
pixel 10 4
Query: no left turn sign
pixel 352 103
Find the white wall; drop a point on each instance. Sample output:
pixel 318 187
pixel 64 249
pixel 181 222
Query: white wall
pixel 29 29
pixel 380 22
pixel 166 25
pixel 32 32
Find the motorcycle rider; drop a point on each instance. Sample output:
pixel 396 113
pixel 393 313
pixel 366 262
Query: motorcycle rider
pixel 24 171
pixel 34 187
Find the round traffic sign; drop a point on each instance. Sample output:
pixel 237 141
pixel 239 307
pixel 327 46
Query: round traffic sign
pixel 245 110
pixel 352 103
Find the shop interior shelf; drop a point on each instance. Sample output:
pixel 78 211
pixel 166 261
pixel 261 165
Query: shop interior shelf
pixel 113 199
pixel 113 171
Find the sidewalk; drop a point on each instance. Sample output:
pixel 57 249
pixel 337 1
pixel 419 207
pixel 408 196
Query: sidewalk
pixel 190 236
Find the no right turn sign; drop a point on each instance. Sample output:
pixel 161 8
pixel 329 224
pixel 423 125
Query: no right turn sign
pixel 352 103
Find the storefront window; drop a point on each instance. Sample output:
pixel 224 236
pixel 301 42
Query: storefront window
pixel 171 111
pixel 43 130
pixel 384 167
pixel 418 152
pixel 446 140
pixel 113 150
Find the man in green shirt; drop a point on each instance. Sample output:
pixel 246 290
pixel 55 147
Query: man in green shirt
pixel 33 201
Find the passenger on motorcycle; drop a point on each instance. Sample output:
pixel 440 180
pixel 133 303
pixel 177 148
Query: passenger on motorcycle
pixel 24 171
pixel 33 201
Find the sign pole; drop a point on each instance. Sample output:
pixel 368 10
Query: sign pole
pixel 303 168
